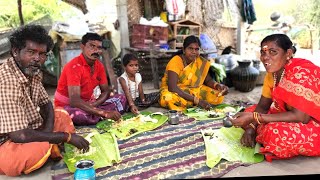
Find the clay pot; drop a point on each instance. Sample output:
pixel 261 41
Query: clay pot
pixel 244 76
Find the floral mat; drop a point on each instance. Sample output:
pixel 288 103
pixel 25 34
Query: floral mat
pixel 168 152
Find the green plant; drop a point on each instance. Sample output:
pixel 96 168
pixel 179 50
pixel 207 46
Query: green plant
pixel 219 71
pixel 303 38
pixel 32 10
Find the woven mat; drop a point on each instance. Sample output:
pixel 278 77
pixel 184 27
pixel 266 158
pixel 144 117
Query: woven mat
pixel 169 152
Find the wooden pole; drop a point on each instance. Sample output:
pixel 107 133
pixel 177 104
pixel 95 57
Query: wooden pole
pixel 154 66
pixel 20 13
pixel 123 25
pixel 110 72
pixel 240 34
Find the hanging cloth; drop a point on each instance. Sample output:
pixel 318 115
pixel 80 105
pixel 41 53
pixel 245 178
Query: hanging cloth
pixel 247 12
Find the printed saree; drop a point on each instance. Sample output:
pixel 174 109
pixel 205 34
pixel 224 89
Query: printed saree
pixel 299 89
pixel 190 79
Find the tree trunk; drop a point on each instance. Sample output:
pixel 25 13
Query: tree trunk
pixel 20 13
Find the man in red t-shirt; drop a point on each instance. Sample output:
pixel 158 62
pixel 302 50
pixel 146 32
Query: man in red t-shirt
pixel 79 78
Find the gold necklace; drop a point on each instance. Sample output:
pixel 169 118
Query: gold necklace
pixel 276 105
pixel 275 79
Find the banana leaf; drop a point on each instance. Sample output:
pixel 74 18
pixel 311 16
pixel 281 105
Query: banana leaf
pixel 130 129
pixel 219 71
pixel 103 151
pixel 220 111
pixel 224 143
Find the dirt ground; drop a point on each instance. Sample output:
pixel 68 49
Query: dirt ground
pixel 235 95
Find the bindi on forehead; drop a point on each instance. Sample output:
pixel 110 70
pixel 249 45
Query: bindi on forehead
pixel 265 48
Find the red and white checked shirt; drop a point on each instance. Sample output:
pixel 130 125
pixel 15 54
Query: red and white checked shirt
pixel 20 99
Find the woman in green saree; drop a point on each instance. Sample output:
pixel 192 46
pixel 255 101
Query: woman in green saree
pixel 186 81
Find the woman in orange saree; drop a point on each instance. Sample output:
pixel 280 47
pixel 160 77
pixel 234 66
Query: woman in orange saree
pixel 286 119
pixel 186 81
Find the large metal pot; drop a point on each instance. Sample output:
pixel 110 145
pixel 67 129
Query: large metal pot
pixel 230 62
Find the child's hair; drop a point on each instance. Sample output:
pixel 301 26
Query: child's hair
pixel 126 59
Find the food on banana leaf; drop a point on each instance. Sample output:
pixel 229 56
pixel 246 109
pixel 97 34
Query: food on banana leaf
pixel 208 133
pixel 103 150
pixel 148 118
pixel 131 125
pixel 225 109
pixel 88 137
pixel 215 113
pixel 224 143
pixel 105 124
pixel 140 119
pixel 82 152
pixel 132 131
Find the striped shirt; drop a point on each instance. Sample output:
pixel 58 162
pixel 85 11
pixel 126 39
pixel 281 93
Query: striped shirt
pixel 20 99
